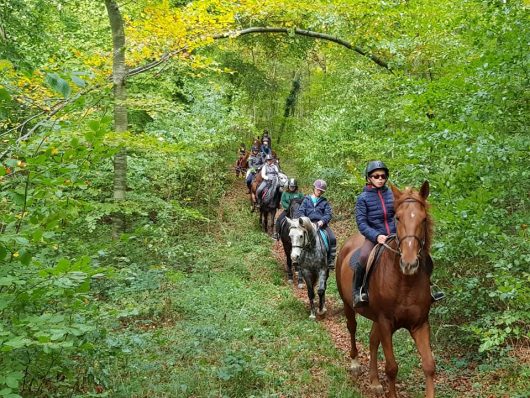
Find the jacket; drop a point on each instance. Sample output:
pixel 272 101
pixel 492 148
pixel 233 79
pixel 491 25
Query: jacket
pixel 288 196
pixel 321 211
pixel 269 171
pixel 374 212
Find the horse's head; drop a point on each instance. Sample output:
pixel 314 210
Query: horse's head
pixel 299 235
pixel 284 181
pixel 413 226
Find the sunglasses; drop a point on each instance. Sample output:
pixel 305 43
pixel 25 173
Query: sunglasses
pixel 378 176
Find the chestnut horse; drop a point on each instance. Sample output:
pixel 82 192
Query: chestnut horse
pixel 242 164
pixel 398 289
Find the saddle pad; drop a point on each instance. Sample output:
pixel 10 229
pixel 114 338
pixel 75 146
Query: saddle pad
pixel 324 238
pixel 355 258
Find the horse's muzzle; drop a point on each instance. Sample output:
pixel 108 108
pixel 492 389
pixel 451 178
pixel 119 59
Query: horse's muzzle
pixel 409 268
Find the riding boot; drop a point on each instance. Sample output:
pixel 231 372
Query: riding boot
pixel 331 258
pixel 436 295
pixel 359 298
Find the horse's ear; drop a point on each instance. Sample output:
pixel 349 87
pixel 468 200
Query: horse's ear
pixel 289 221
pixel 305 223
pixel 424 190
pixel 395 191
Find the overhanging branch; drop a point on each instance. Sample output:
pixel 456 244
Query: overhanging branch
pixel 302 32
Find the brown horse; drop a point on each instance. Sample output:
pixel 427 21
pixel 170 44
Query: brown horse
pixel 242 164
pixel 398 289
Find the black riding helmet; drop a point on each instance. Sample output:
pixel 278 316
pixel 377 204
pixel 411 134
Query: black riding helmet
pixel 375 165
pixel 292 183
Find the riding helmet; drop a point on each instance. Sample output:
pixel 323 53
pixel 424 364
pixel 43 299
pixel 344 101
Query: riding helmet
pixel 320 185
pixel 375 165
pixel 255 149
pixel 269 157
pixel 292 183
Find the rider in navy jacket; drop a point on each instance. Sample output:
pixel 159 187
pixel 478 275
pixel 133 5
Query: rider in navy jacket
pixel 317 208
pixel 374 212
pixel 320 211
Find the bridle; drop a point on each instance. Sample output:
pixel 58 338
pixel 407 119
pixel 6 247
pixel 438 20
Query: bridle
pixel 401 240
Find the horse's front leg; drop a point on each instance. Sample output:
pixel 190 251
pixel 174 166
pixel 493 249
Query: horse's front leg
pixel 287 250
pixel 263 220
pixel 375 339
pixel 300 276
pixel 310 293
pixel 322 280
pixel 422 337
pixel 391 367
pixel 351 322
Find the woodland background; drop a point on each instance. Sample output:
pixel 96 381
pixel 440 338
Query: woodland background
pixel 116 265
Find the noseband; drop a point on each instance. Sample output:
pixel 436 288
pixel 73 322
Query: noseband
pixel 304 241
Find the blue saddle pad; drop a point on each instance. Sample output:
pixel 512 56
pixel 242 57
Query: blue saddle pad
pixel 324 238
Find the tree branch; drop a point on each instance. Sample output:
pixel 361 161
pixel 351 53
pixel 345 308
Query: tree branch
pixel 302 32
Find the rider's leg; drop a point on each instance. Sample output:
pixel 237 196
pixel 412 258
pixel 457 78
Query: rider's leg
pixel 332 241
pixel 260 190
pixel 436 295
pixel 278 224
pixel 361 298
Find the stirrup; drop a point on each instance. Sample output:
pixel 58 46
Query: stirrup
pixel 437 296
pixel 360 299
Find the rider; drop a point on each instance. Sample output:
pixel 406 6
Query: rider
pixel 287 196
pixel 268 172
pixel 318 209
pixel 266 146
pixel 255 161
pixel 242 151
pixel 374 213
pixel 265 136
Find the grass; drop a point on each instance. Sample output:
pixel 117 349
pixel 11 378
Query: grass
pixel 238 330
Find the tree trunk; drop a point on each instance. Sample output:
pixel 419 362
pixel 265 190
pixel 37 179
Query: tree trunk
pixel 119 72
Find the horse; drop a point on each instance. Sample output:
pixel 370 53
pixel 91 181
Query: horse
pixel 309 252
pixel 398 289
pixel 270 202
pixel 242 164
pixel 286 241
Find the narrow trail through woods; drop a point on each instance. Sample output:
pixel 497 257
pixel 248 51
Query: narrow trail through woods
pixel 335 324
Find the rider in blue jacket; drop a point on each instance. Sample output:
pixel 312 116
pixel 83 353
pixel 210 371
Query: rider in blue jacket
pixel 374 213
pixel 319 211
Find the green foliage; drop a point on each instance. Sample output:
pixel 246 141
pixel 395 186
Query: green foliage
pixel 84 315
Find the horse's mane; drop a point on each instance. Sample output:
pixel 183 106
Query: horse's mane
pixel 309 227
pixel 410 193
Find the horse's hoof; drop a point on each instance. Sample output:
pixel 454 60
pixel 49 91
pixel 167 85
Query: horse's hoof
pixel 290 281
pixel 300 286
pixel 312 317
pixel 377 389
pixel 324 310
pixel 355 371
pixel 355 368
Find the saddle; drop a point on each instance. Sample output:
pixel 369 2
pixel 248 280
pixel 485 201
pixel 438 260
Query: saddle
pixel 373 260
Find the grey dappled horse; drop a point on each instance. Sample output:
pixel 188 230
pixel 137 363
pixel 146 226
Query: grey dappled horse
pixel 309 252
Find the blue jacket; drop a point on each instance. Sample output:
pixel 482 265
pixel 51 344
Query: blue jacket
pixel 374 212
pixel 321 211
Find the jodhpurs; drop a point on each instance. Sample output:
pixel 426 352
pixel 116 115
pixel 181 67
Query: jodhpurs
pixel 366 248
